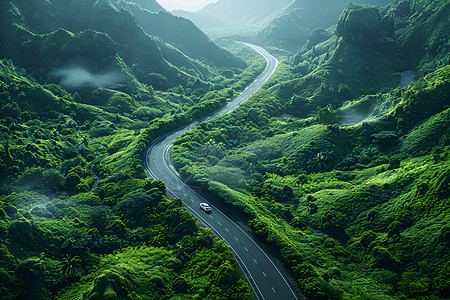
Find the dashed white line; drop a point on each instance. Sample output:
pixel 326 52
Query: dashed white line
pixel 255 261
pixel 227 229
pixel 236 239
pixel 219 223
pixel 264 274
pixel 273 290
pixel 246 249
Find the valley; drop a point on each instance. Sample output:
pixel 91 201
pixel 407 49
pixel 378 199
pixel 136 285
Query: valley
pixel 318 132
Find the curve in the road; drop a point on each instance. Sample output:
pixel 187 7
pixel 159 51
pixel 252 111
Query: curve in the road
pixel 267 281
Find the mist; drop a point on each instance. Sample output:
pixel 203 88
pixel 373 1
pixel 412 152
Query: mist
pixel 75 77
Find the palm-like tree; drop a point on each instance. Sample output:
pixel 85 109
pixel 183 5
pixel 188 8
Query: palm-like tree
pixel 319 163
pixel 71 266
pixel 181 252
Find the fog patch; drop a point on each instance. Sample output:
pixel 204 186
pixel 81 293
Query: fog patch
pixel 352 117
pixel 76 77
pixel 407 78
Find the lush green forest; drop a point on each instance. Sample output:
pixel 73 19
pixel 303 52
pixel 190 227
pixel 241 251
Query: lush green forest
pixel 79 104
pixel 341 163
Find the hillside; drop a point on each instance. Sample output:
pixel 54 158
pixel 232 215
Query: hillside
pixel 150 5
pixel 291 30
pixel 83 91
pixel 185 36
pixel 370 53
pixel 99 40
pixel 341 163
pixel 78 216
pixel 232 13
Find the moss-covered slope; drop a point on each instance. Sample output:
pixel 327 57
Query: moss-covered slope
pixel 370 53
pixel 354 195
pixel 78 216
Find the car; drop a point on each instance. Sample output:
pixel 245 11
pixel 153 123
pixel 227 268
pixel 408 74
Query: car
pixel 205 207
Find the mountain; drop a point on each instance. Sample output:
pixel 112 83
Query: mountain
pixel 290 31
pixel 84 90
pixel 39 36
pixel 185 36
pixel 78 216
pixel 244 11
pixel 45 36
pixel 389 41
pixel 342 161
pixel 231 13
pixel 150 5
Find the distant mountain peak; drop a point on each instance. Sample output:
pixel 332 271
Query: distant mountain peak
pixel 150 5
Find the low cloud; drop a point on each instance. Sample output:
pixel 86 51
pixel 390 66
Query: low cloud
pixel 76 77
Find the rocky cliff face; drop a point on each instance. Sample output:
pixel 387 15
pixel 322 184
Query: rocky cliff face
pixel 369 52
pixel 360 26
pixel 290 31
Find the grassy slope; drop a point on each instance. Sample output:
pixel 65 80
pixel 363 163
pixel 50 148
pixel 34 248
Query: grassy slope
pixel 357 212
pixel 78 216
pixel 373 215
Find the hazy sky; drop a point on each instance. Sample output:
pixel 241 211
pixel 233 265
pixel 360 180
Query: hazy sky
pixel 190 5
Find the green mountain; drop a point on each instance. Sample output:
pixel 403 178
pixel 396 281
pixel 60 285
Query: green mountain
pixel 388 42
pixel 185 36
pixel 83 91
pixel 290 31
pixel 120 25
pixel 341 162
pixel 80 219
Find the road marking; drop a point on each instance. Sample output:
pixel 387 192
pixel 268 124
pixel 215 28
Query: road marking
pixel 255 261
pixel 219 223
pixel 264 274
pixel 271 65
pixel 236 239
pixel 192 201
pixel 227 229
pixel 211 217
pixel 246 249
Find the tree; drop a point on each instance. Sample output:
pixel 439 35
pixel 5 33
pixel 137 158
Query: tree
pixel 71 266
pixel 326 116
pixel 226 275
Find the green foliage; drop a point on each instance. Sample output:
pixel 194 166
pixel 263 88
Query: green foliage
pixel 93 212
pixel 356 211
pixel 326 116
pixel 226 275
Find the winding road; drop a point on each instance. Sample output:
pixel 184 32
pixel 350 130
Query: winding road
pixel 266 279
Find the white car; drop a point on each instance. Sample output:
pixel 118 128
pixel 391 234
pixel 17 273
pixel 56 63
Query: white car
pixel 205 207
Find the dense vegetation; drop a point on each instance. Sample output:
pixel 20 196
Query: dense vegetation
pixel 302 18
pixel 340 163
pixel 79 104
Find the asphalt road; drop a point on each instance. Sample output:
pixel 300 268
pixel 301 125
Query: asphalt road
pixel 264 276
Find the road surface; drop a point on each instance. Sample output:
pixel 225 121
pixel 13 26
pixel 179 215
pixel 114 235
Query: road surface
pixel 267 281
